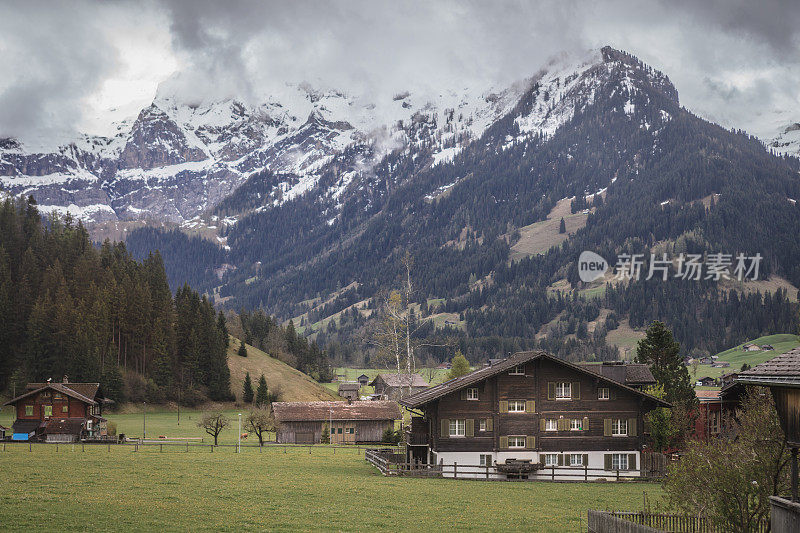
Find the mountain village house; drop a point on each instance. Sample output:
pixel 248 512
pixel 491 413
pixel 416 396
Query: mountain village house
pixel 59 412
pixel 349 390
pixel 529 415
pixel 396 386
pixel 347 422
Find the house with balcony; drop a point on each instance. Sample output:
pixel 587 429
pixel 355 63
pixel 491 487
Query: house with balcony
pixel 528 416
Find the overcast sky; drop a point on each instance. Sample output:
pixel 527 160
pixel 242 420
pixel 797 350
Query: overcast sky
pixel 73 66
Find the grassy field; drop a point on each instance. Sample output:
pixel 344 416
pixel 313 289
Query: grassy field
pixel 736 356
pixel 539 237
pixel 294 385
pixel 223 491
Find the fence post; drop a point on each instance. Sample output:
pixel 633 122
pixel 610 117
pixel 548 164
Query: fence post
pixel 187 446
pixel 552 473
pixel 586 472
pixel 455 470
pixel 487 470
pixel 30 447
pixel 56 447
pixel 617 474
pixel 83 449
pixel 109 448
pixel 160 448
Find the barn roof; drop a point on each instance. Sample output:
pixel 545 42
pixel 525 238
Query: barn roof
pixel 401 380
pixel 519 358
pixel 781 370
pixel 66 389
pixel 627 373
pixel 347 385
pixel 313 411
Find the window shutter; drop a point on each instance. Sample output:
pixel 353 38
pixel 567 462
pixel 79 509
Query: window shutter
pixel 631 461
pixel 463 394
pixel 585 424
pixel 503 443
pixel 530 406
pixel 561 459
pixel 607 461
pixel 586 459
pixel 607 427
pixel 613 394
pixel 632 427
pixel 489 424
pixel 551 390
pixel 576 390
pixel 530 442
pixel 445 428
pixel 469 430
pixel 542 424
pixel 503 406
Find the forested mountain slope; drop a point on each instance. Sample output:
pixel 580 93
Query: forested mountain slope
pixel 607 131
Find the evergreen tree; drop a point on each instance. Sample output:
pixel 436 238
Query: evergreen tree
pixel 562 227
pixel 262 394
pixel 460 366
pixel 659 350
pixel 242 352
pixel 247 392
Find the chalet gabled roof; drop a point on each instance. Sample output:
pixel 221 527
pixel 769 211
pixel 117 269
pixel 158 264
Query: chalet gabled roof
pixel 401 380
pixel 781 370
pixel 519 358
pixel 58 387
pixel 347 385
pixel 89 390
pixel 627 373
pixel 321 411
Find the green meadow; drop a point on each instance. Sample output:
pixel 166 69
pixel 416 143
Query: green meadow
pixel 277 488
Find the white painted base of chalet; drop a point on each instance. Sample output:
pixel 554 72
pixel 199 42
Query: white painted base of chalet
pixel 466 465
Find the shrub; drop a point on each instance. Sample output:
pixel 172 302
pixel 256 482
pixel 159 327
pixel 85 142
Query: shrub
pixel 111 429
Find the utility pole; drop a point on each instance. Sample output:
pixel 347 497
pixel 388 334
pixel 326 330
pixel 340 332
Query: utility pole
pixel 239 440
pixel 144 421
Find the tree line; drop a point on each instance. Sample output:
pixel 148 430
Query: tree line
pixel 69 308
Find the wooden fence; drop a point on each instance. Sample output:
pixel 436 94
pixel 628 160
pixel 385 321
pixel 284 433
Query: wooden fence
pixel 393 464
pixel 630 522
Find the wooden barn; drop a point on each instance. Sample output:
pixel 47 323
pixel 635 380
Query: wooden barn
pixel 349 390
pixel 396 386
pixel 347 422
pixel 59 412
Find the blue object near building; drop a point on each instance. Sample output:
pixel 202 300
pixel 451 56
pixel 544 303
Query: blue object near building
pixel 19 436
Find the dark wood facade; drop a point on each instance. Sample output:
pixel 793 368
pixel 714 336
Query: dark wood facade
pixel 343 422
pixel 517 402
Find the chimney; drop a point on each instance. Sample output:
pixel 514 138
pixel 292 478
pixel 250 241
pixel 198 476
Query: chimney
pixel 65 380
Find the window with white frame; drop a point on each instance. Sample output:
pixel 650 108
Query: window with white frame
pixel 472 394
pixel 619 427
pixel 619 461
pixel 482 425
pixel 458 427
pixel 551 424
pixel 575 459
pixel 516 406
pixel 28 410
pixel 486 460
pixel 575 424
pixel 563 391
pixel 518 370
pixel 516 442
pixel 603 393
pixel 551 459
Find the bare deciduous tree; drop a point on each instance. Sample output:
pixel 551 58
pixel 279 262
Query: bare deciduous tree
pixel 214 423
pixel 261 422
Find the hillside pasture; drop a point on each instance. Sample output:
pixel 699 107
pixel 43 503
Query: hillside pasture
pixel 539 237
pixel 276 488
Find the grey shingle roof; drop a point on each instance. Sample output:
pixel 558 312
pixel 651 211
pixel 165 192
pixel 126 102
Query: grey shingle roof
pixel 313 411
pixel 59 387
pixel 425 396
pixel 781 370
pixel 401 380
pixel 628 373
pixel 350 386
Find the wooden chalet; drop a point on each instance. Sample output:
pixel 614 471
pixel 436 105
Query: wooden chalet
pixel 706 381
pixel 59 412
pixel 535 409
pixel 349 390
pixel 347 422
pixel 395 386
pixel 363 380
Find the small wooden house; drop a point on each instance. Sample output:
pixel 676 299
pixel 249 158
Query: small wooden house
pixel 363 380
pixel 396 386
pixel 706 381
pixel 349 390
pixel 59 412
pixel 346 422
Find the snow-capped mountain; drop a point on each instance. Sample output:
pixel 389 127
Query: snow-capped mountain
pixel 787 140
pixel 178 160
